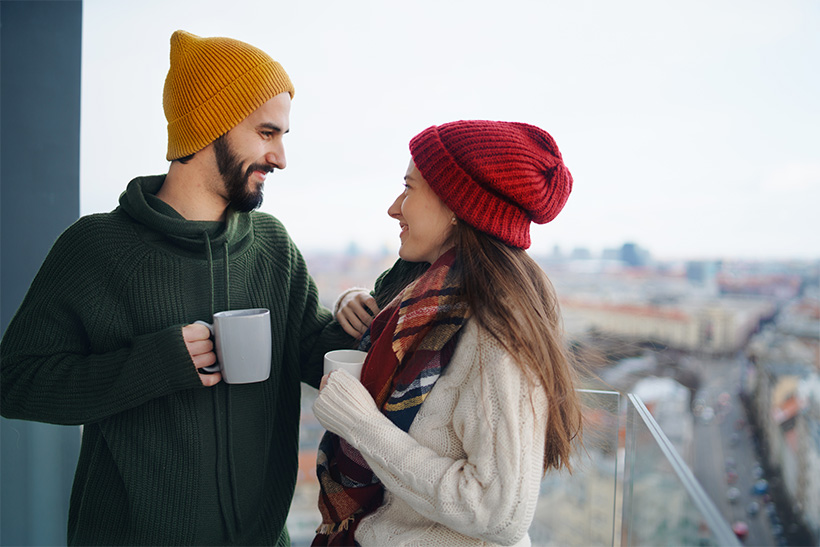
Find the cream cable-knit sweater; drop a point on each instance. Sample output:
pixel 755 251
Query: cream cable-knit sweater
pixel 469 470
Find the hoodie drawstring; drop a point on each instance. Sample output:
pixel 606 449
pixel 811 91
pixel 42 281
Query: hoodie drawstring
pixel 210 271
pixel 227 277
pixel 224 438
pixel 231 467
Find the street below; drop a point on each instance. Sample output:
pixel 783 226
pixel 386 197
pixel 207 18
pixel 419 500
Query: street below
pixel 724 458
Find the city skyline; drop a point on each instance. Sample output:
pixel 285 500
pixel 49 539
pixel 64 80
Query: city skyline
pixel 690 130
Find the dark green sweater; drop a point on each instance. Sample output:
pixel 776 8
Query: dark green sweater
pixel 98 341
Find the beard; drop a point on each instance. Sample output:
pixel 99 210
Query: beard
pixel 241 196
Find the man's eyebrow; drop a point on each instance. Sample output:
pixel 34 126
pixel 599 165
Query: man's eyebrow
pixel 271 127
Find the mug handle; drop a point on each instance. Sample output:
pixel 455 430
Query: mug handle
pixel 210 369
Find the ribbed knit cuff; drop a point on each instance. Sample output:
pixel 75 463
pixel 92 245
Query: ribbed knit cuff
pixel 169 363
pixel 343 404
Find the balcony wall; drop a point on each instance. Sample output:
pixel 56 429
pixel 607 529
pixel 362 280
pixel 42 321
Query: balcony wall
pixel 40 44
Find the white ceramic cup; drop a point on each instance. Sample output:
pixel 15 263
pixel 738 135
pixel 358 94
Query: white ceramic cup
pixel 243 345
pixel 350 360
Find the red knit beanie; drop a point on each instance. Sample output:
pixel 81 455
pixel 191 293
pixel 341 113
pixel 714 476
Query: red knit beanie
pixel 495 176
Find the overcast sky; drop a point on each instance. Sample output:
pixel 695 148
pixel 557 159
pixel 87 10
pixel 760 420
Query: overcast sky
pixel 691 128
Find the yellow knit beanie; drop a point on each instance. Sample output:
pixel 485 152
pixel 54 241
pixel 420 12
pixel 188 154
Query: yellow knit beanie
pixel 213 84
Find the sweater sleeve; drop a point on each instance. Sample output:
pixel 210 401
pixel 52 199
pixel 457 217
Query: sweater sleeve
pixel 490 493
pixel 392 281
pixel 332 336
pixel 318 331
pixel 48 369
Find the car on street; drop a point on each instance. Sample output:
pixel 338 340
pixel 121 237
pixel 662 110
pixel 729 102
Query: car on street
pixel 707 414
pixel 753 508
pixel 741 529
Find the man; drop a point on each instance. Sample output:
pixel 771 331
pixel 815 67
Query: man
pixel 105 336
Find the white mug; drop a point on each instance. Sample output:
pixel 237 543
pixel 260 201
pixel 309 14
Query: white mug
pixel 243 345
pixel 350 360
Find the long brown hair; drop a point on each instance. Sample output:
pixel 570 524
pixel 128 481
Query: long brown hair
pixel 512 298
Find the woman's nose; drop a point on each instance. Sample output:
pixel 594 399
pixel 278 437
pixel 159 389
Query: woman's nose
pixel 395 209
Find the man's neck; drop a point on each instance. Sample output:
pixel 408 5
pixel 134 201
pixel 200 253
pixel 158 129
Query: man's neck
pixel 189 190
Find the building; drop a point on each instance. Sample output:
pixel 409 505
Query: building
pixel 717 326
pixel 783 391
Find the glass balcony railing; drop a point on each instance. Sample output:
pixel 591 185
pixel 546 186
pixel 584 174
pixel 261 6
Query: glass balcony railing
pixel 582 508
pixel 629 485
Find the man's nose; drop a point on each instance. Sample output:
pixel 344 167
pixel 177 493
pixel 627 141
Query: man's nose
pixel 276 156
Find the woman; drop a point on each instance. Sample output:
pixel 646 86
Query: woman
pixel 467 395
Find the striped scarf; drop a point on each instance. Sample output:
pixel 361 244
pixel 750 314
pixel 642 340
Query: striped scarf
pixel 409 346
